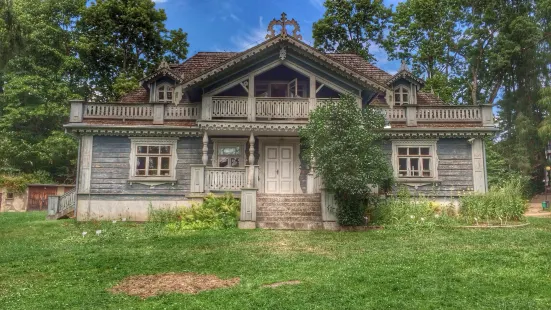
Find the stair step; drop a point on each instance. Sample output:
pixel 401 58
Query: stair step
pixel 287 213
pixel 287 200
pixel 291 225
pixel 289 219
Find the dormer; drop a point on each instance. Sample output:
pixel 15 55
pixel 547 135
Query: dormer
pixel 163 85
pixel 405 86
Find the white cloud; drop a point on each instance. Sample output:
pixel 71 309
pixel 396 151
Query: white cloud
pixel 160 1
pixel 318 4
pixel 251 38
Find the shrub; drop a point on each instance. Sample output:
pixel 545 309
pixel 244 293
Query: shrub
pixel 213 213
pixel 504 203
pixel 406 210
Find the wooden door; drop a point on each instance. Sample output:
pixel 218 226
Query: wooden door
pixel 279 172
pixel 38 197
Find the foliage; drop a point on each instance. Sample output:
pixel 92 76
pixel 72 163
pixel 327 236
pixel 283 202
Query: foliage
pixel 405 211
pixel 213 213
pixel 351 26
pixel 123 39
pixel 17 183
pixel 346 143
pixel 504 203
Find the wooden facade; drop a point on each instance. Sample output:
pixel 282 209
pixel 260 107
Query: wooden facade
pixel 229 122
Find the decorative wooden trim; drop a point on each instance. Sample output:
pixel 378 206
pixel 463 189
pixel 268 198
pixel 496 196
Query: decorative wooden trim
pixel 411 181
pixel 86 151
pixel 129 131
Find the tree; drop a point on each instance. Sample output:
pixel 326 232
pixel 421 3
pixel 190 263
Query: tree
pixel 346 143
pixel 351 26
pixel 119 40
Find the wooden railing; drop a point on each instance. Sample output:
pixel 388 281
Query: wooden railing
pixel 118 111
pixel 282 108
pixel 225 179
pixel 229 107
pixel 61 206
pixel 449 114
pixel 182 112
pixel 395 114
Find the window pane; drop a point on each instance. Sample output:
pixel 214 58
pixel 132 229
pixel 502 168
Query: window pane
pixel 153 150
pixel 142 149
pixel 165 149
pixel 165 163
pixel 140 163
pixel 403 164
pixel 223 161
pixel 165 172
pixel 229 150
pixel 169 95
pixel 397 98
pixel 234 162
pixel 140 172
pixel 405 98
pixel 425 151
pixel 414 164
pixel 413 151
pixel 402 151
pixel 153 163
pixel 161 95
pixel 153 172
pixel 426 163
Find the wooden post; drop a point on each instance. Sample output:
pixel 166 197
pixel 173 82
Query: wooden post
pixel 312 100
pixel 197 179
pixel 53 205
pixel 411 115
pixel 206 109
pixel 479 166
pixel 328 210
pixel 251 103
pixel 250 179
pixel 77 111
pixel 310 188
pixel 158 113
pixel 205 157
pixel 487 115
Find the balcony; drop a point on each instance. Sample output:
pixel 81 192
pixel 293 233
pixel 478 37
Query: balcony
pixel 262 109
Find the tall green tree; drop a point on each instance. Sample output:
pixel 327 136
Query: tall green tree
pixel 351 26
pixel 119 40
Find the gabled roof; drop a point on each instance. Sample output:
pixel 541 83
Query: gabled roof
pixel 345 70
pixel 404 73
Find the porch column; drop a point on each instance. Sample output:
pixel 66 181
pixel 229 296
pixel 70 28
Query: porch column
pixel 198 171
pixel 251 115
pixel 479 166
pixel 312 100
pixel 247 218
pixel 310 188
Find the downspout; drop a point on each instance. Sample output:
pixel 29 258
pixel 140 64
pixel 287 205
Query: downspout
pixel 77 175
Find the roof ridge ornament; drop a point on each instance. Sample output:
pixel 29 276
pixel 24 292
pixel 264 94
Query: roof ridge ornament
pixel 163 65
pixel 404 66
pixel 284 22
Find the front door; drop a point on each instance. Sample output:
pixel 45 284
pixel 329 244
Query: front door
pixel 279 169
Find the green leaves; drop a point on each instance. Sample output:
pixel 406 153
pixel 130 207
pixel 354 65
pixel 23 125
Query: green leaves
pixel 351 26
pixel 346 143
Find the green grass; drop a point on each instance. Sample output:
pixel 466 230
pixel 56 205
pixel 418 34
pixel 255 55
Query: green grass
pixel 49 265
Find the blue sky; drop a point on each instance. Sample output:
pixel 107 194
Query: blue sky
pixel 235 25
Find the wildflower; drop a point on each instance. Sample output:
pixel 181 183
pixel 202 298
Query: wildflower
pixel 114 222
pixel 98 232
pixel 412 216
pixel 422 219
pixel 84 233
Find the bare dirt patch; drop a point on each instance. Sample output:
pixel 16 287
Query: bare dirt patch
pixel 276 284
pixel 146 286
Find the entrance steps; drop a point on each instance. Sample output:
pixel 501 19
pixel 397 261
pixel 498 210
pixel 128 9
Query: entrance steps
pixel 289 211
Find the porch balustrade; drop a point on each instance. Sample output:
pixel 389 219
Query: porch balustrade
pixel 282 108
pixel 225 179
pixel 229 107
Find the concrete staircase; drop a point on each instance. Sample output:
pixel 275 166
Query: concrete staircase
pixel 290 211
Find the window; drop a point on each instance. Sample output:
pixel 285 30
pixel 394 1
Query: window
pixel 415 160
pixel 164 93
pixel 9 196
pixel 401 96
pixel 153 158
pixel 229 153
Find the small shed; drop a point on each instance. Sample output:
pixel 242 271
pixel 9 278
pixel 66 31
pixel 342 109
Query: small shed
pixel 34 198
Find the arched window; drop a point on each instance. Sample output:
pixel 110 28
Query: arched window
pixel 401 95
pixel 164 93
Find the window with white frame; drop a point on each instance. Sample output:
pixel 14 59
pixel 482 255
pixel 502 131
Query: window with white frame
pixel 164 93
pixel 401 95
pixel 415 160
pixel 153 158
pixel 229 153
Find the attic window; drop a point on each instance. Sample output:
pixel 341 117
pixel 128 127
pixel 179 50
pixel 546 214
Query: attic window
pixel 401 95
pixel 164 93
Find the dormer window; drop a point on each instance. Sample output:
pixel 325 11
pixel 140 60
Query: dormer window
pixel 164 93
pixel 401 96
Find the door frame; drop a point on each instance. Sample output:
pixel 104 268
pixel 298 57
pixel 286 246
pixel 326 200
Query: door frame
pixel 278 141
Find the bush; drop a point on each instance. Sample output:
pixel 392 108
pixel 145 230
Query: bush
pixel 502 203
pixel 213 213
pixel 405 210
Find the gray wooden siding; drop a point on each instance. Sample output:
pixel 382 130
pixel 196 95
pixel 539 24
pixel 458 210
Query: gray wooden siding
pixel 111 167
pixel 455 170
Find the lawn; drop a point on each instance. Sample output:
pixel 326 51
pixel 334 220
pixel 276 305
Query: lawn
pixel 50 265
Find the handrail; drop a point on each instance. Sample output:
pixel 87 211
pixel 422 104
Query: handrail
pixel 225 179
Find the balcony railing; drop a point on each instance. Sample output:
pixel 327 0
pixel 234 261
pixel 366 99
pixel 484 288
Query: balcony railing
pixel 253 109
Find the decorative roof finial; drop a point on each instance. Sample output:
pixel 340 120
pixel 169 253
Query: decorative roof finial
pixel 163 65
pixel 403 66
pixel 284 22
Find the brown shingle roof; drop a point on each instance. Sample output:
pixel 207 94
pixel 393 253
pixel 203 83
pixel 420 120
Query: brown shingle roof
pixel 361 65
pixel 200 62
pixel 135 96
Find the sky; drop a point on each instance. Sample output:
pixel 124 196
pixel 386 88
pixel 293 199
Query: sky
pixel 235 25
